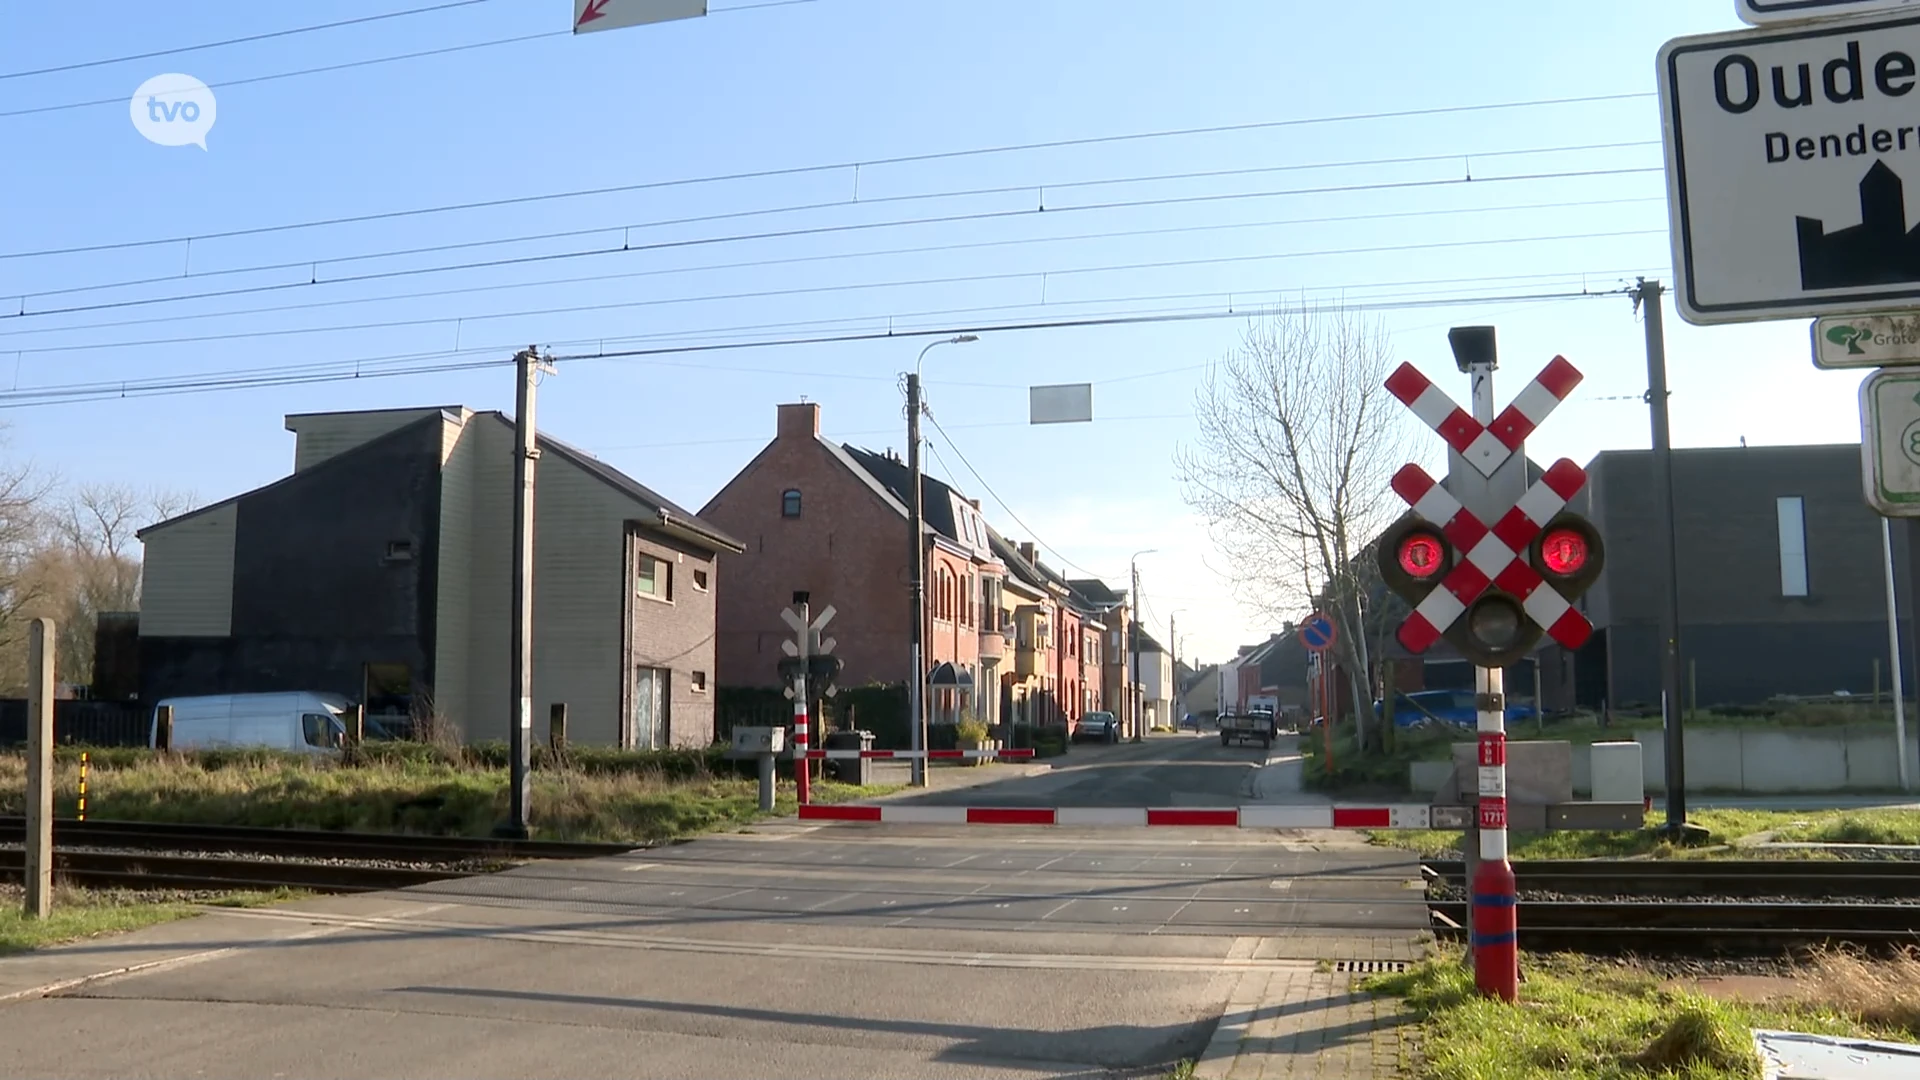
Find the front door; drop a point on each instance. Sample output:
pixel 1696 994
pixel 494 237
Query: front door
pixel 651 701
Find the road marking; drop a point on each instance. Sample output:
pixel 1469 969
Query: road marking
pixel 323 928
pixel 1239 959
pixel 649 866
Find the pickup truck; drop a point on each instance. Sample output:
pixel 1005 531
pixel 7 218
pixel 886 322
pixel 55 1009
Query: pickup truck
pixel 1247 727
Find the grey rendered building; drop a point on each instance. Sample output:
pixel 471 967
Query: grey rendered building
pixel 380 569
pixel 1782 587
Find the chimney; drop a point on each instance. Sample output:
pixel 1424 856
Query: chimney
pixel 976 502
pixel 800 420
pixel 1027 551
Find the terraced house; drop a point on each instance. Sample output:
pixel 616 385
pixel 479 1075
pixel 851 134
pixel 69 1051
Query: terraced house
pixel 380 569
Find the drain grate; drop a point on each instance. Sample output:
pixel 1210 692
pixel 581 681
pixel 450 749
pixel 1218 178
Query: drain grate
pixel 1370 967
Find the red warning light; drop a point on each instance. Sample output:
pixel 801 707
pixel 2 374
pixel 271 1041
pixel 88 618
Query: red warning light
pixel 1564 551
pixel 1421 555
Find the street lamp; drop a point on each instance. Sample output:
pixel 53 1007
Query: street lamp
pixel 1133 641
pixel 916 562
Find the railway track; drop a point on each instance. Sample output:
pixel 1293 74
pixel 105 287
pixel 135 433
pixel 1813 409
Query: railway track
pixel 149 855
pixel 1727 907
pixel 1812 879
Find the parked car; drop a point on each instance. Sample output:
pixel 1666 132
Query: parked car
pixel 1423 707
pixel 1101 726
pixel 298 720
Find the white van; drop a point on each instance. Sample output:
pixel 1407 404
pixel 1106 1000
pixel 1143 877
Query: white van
pixel 298 720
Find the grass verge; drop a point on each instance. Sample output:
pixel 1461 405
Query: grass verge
pixel 88 913
pixel 1584 1020
pixel 1723 827
pixel 420 794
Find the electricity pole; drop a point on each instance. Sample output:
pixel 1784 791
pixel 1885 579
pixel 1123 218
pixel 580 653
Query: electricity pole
pixel 916 563
pixel 917 566
pixel 1646 297
pixel 1133 694
pixel 529 366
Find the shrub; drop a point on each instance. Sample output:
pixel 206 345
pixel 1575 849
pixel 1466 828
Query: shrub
pixel 1045 740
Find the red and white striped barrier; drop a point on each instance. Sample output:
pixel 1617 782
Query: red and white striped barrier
pixel 1226 817
pixel 936 755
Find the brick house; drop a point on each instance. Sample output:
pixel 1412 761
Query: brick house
pixel 1058 672
pixel 380 569
pixel 1119 691
pixel 831 519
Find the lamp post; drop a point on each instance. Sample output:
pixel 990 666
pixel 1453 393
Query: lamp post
pixel 1133 642
pixel 1173 647
pixel 916 563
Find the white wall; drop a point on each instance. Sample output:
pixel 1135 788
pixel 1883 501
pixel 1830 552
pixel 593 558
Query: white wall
pixel 1156 686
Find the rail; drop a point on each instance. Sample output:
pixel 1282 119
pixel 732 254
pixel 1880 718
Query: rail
pixel 1687 907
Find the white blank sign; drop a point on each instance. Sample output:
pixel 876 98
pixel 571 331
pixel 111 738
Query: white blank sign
pixel 1066 403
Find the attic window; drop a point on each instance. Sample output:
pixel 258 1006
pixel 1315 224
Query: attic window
pixel 399 551
pixel 790 503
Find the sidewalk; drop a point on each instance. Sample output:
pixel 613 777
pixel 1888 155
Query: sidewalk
pixel 1309 1025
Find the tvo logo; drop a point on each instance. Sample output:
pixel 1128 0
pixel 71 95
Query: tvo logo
pixel 173 110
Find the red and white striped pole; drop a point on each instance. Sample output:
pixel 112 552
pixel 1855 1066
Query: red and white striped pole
pixel 1494 911
pixel 1496 957
pixel 802 768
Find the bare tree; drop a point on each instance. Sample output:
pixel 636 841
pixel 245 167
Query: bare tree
pixel 98 561
pixel 1297 442
pixel 25 588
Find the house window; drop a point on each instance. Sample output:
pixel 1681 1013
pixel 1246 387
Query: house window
pixel 790 503
pixel 699 682
pixel 700 580
pixel 399 551
pixel 1793 545
pixel 653 577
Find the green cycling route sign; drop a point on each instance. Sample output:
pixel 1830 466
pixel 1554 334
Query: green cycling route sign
pixel 1890 441
pixel 1866 341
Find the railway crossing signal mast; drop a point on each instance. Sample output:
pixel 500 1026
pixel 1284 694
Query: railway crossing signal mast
pixel 1490 562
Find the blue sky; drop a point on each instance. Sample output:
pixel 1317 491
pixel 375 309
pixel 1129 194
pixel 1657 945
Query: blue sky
pixel 831 83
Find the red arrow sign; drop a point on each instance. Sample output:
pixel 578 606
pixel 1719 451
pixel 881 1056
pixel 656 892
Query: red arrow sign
pixel 592 12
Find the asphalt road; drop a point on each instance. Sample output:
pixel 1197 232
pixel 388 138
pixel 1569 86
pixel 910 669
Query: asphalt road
pixel 787 950
pixel 1164 771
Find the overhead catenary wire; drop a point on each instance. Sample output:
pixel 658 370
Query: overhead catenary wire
pixel 1179 230
pixel 1218 260
pixel 369 62
pixel 128 388
pixel 790 233
pixel 871 432
pixel 322 70
pixel 246 40
pixel 798 170
pixel 369 366
pixel 312 264
pixel 1002 503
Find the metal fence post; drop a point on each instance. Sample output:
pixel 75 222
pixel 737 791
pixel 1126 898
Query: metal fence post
pixel 163 727
pixel 557 727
